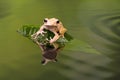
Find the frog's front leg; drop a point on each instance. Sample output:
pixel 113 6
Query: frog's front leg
pixel 56 37
pixel 40 31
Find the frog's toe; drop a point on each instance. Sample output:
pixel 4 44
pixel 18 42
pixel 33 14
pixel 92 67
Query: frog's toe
pixel 34 36
pixel 52 41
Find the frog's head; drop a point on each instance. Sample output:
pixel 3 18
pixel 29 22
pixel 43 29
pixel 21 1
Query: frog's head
pixel 52 22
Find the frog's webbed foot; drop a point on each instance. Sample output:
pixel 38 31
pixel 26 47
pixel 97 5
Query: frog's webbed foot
pixel 41 32
pixel 35 35
pixel 34 38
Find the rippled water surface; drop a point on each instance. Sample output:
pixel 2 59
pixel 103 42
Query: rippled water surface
pixel 94 54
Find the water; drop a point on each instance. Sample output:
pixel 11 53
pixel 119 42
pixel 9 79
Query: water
pixel 92 55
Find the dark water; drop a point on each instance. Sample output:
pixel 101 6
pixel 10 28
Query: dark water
pixel 93 54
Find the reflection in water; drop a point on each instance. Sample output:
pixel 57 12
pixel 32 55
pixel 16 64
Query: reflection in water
pixel 49 53
pixel 108 22
pixel 85 66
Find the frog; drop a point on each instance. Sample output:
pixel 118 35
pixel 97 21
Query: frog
pixel 54 25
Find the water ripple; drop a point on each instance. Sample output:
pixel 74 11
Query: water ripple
pixel 107 27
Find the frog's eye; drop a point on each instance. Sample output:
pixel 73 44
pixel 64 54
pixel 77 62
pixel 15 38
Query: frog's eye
pixel 45 20
pixel 57 22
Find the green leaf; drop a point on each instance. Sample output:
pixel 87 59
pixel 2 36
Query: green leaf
pixel 68 37
pixel 28 30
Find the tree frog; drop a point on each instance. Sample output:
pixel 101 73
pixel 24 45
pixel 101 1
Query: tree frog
pixel 55 26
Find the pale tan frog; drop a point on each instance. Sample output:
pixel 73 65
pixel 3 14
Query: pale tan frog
pixel 55 26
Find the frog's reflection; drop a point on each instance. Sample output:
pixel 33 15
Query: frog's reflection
pixel 49 53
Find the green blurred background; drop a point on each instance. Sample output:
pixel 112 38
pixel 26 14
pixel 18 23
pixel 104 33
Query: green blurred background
pixel 94 54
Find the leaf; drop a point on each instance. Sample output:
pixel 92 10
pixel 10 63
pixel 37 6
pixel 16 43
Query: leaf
pixel 28 30
pixel 68 37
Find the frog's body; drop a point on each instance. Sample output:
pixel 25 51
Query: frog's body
pixel 55 26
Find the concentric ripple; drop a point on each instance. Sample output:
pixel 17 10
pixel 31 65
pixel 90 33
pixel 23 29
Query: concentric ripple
pixel 107 26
